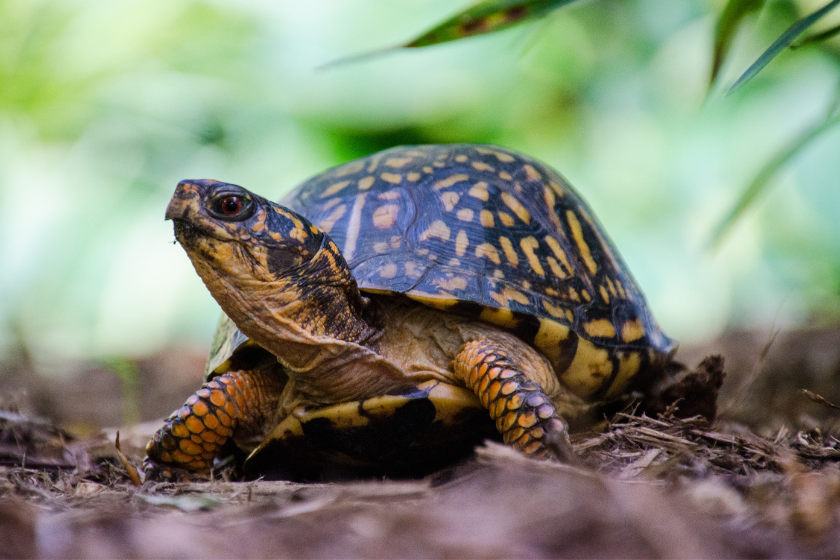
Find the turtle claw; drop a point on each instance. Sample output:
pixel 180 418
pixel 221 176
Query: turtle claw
pixel 559 448
pixel 160 472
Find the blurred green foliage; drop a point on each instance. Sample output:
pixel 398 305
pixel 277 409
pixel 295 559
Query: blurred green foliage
pixel 105 105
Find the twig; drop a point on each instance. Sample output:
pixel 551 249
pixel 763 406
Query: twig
pixel 132 472
pixel 819 399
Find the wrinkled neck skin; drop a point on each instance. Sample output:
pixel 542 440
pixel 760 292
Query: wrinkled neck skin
pixel 311 317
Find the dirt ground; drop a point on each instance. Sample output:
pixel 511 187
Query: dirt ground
pixel 762 482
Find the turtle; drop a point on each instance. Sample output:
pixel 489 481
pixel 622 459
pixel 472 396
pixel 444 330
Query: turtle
pixel 394 311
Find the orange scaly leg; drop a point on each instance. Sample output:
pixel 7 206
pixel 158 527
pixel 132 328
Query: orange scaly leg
pixel 236 404
pixel 523 414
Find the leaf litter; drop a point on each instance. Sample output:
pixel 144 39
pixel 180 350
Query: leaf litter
pixel 646 486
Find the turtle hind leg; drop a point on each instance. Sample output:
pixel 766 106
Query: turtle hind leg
pixel 237 403
pixel 523 413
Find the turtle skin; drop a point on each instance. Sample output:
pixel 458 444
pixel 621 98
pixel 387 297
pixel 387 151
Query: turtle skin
pixel 454 235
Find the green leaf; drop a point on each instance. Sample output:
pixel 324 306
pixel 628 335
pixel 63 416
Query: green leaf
pixel 824 36
pixel 783 42
pixel 727 25
pixel 762 179
pixel 485 17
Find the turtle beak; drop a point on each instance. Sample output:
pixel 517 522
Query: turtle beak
pixel 185 201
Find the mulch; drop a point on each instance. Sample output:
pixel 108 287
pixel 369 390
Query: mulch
pixel 645 487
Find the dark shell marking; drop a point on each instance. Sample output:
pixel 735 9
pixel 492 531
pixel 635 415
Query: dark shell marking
pixel 483 231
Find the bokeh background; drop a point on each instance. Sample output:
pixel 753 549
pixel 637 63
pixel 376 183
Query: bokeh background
pixel 105 106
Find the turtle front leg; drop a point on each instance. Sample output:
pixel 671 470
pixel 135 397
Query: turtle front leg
pixel 236 404
pixel 523 413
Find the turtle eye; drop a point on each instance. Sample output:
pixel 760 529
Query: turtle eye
pixel 231 207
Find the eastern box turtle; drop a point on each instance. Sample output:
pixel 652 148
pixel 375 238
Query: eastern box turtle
pixel 398 309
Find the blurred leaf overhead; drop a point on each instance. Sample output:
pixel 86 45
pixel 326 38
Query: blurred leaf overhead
pixel 486 17
pixel 727 25
pixel 482 18
pixel 784 41
pixel 105 106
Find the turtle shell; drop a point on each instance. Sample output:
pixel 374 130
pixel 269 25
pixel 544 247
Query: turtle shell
pixel 486 232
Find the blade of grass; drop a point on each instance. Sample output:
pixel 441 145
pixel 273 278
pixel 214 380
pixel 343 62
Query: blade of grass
pixel 783 42
pixel 730 18
pixel 482 18
pixel 762 179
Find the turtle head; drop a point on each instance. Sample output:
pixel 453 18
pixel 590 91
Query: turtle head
pixel 239 233
pixel 269 268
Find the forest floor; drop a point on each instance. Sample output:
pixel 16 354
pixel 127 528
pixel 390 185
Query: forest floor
pixel 762 482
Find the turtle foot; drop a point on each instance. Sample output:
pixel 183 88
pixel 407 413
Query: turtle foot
pixel 160 472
